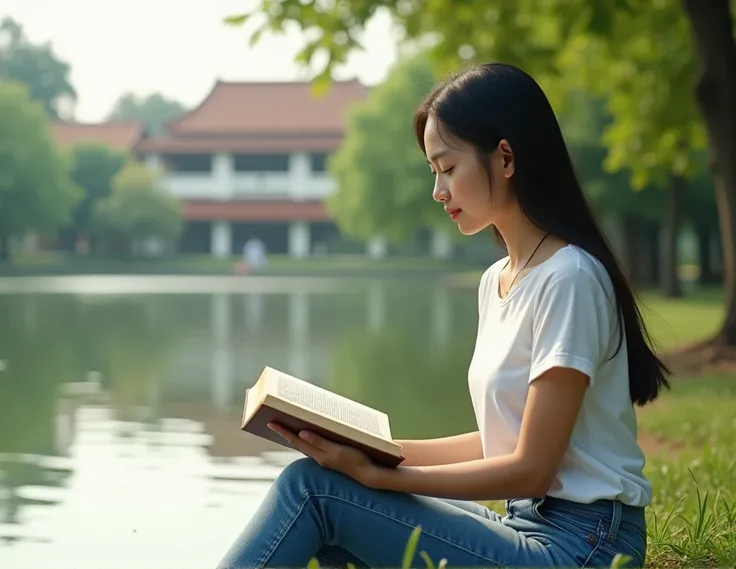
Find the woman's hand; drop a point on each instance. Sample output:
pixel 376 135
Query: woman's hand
pixel 328 454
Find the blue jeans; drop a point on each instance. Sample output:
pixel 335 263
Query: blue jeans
pixel 314 512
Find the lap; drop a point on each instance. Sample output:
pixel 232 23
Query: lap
pixel 374 525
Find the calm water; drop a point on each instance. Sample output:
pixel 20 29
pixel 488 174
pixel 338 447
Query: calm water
pixel 120 401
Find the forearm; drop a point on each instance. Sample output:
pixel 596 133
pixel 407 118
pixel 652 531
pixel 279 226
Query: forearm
pixel 447 450
pixel 498 478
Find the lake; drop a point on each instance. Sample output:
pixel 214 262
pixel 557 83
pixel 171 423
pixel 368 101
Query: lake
pixel 121 397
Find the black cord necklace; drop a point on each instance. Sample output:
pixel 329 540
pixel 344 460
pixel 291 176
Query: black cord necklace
pixel 524 267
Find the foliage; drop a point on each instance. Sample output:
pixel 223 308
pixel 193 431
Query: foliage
pixel 93 169
pixel 138 209
pixel 643 65
pixel 153 110
pixel 583 121
pixel 383 182
pixel 36 192
pixel 37 66
pixel 636 55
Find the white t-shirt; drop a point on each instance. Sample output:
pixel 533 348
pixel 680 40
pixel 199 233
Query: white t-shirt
pixel 561 313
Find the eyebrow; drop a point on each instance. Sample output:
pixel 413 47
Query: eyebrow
pixel 437 156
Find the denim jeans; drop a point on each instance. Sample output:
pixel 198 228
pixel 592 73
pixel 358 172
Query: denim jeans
pixel 312 512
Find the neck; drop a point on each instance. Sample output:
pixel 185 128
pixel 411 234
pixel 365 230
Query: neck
pixel 521 237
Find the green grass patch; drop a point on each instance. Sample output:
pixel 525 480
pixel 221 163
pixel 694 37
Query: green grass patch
pixel 676 321
pixel 692 520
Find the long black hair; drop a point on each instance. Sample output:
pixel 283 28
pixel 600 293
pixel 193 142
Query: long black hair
pixel 487 103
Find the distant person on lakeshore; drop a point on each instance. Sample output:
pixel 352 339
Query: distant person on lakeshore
pixel 255 256
pixel 560 360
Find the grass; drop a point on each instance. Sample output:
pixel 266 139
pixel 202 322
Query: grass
pixel 677 321
pixel 692 520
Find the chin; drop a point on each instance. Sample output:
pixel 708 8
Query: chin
pixel 471 229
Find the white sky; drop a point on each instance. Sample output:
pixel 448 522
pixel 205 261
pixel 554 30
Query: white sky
pixel 176 48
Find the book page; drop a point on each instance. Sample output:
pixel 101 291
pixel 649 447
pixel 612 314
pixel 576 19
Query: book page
pixel 332 405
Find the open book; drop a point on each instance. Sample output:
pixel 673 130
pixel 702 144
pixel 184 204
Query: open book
pixel 299 405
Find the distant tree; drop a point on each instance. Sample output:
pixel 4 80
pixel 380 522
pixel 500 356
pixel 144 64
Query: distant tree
pixel 137 210
pixel 93 168
pixel 152 110
pixel 36 191
pixel 37 66
pixel 384 185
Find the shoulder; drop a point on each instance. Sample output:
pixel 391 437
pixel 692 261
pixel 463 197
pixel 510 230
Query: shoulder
pixel 489 276
pixel 572 270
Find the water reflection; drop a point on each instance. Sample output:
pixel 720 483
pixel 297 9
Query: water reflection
pixel 119 413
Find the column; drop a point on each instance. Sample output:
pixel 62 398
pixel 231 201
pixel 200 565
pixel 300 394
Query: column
pixel 377 247
pixel 221 239
pixel 221 379
pixel 222 175
pixel 299 238
pixel 441 244
pixel 300 171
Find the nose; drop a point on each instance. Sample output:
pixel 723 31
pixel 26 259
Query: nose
pixel 440 193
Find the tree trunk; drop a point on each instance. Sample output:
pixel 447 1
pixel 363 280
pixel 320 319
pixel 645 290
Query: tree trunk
pixel 715 93
pixel 671 232
pixel 705 267
pixel 706 272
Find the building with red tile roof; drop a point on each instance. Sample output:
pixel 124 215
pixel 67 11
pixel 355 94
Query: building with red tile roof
pixel 249 161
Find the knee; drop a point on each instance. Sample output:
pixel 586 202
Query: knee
pixel 300 473
pixel 305 474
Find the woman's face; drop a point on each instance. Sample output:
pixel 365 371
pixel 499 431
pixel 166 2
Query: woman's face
pixel 462 183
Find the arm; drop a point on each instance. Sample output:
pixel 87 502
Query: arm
pixel 549 417
pixel 447 450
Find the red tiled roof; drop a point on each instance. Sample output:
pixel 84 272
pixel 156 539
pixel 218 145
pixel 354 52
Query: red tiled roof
pixel 270 108
pixel 262 117
pixel 252 210
pixel 121 136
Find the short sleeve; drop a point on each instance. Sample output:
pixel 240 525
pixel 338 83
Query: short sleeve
pixel 571 325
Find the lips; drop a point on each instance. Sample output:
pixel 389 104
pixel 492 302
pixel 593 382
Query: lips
pixel 453 212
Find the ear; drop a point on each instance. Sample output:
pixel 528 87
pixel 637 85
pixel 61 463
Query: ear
pixel 506 154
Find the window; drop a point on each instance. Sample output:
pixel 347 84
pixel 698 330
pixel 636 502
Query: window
pixel 319 162
pixel 261 162
pixel 188 162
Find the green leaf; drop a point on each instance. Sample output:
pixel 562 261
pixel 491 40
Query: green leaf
pixel 237 20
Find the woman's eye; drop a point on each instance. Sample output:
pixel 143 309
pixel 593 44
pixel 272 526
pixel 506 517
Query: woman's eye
pixel 450 169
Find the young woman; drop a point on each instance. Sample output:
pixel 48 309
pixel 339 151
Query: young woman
pixel 560 360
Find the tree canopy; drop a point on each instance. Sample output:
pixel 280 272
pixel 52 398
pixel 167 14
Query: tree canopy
pixel 93 168
pixel 383 182
pixel 36 191
pixel 138 209
pixel 37 66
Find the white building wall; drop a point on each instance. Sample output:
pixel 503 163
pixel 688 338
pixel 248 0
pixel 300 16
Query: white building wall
pixel 224 183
